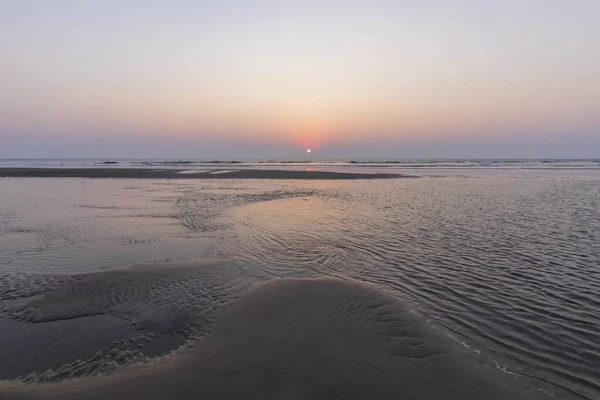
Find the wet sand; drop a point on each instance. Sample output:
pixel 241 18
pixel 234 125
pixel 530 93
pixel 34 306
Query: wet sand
pixel 317 338
pixel 149 173
pixel 30 349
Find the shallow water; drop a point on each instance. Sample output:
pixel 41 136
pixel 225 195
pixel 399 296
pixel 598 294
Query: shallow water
pixel 506 264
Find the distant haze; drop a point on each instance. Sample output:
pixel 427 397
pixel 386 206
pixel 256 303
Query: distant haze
pixel 269 79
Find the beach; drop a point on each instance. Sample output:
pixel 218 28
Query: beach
pixel 454 287
pixel 305 338
pixel 300 200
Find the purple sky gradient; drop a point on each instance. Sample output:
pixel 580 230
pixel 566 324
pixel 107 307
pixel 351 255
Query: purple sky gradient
pixel 267 79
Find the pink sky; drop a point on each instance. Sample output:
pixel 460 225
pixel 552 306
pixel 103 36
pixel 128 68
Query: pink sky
pixel 290 76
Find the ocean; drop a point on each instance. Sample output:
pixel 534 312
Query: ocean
pixel 579 164
pixel 502 256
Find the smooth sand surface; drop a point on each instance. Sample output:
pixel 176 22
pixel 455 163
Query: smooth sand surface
pixel 185 174
pixel 304 339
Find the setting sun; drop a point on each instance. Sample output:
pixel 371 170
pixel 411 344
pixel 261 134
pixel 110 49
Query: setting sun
pixel 308 150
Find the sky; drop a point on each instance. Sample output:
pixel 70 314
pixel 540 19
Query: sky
pixel 272 78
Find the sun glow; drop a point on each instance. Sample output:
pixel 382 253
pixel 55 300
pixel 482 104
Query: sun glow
pixel 308 150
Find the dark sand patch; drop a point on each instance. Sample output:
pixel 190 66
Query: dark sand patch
pixel 62 327
pixel 141 173
pixel 305 339
pixel 157 298
pixel 76 347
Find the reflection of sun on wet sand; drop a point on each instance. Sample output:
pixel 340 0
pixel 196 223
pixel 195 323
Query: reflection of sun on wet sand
pixel 303 339
pixel 191 171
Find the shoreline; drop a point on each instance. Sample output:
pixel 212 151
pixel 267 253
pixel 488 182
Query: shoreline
pixel 303 338
pixel 155 173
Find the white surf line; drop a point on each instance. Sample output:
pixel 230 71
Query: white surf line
pixel 223 172
pixel 193 171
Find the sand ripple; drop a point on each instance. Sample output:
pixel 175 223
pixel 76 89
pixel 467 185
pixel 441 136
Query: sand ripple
pixel 306 338
pixel 157 300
